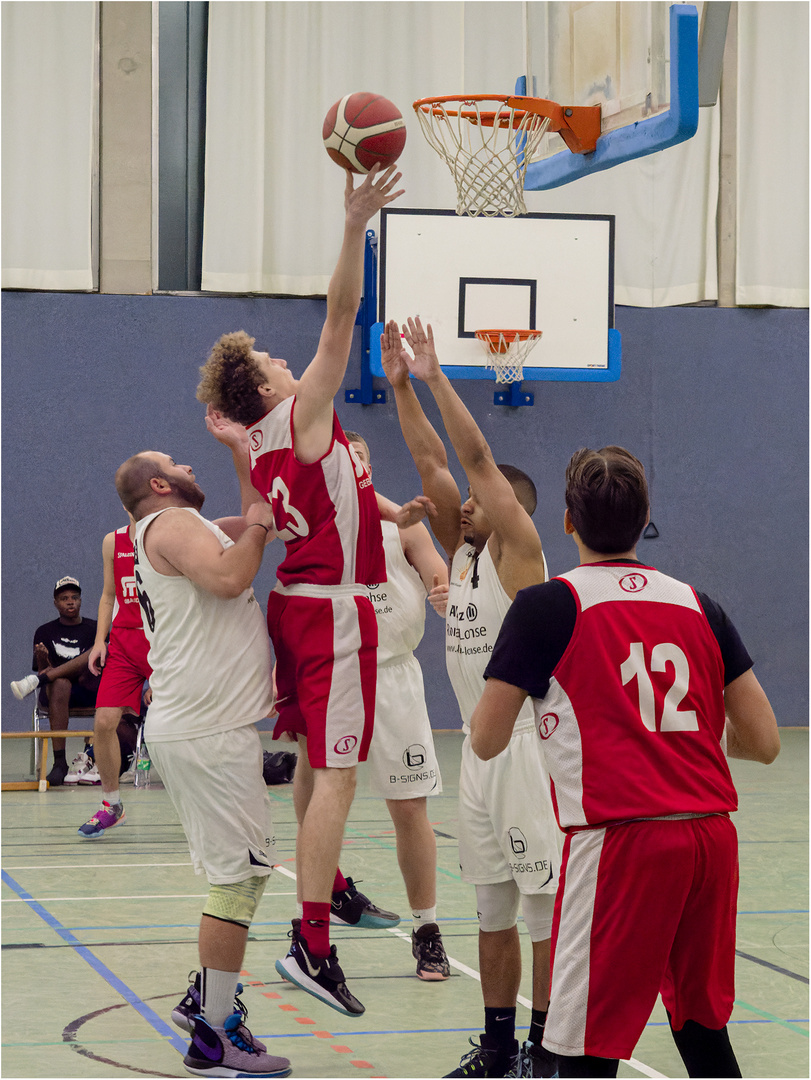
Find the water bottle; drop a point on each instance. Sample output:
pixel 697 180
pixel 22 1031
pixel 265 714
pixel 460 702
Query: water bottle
pixel 142 767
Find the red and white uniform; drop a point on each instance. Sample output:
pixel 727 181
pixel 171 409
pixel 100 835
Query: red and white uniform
pixel 631 725
pixel 126 668
pixel 320 618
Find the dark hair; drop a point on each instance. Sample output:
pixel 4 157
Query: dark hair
pixel 607 497
pixel 132 480
pixel 523 487
pixel 229 379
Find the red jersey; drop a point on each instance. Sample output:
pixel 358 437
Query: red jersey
pixel 127 611
pixel 632 721
pixel 326 512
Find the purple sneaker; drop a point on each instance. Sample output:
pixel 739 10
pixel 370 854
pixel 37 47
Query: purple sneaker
pixel 230 1050
pixel 102 821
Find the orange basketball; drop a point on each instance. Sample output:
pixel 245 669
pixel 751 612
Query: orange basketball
pixel 361 130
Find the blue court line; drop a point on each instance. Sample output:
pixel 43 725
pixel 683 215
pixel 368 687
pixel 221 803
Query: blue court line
pixel 151 1017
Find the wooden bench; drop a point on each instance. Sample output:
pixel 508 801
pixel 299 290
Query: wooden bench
pixel 41 784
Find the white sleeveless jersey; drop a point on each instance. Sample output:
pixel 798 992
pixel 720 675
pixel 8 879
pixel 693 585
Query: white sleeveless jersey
pixel 210 655
pixel 399 603
pixel 477 604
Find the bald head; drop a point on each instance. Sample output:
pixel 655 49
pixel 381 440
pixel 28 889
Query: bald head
pixel 150 480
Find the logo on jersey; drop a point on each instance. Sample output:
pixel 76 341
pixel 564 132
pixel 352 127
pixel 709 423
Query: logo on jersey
pixel 129 590
pixel 518 842
pixel 633 582
pixel 414 757
pixel 345 745
pixel 547 724
pixel 256 441
pixel 290 524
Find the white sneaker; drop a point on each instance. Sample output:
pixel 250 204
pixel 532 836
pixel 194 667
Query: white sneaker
pixel 127 777
pixel 23 687
pixel 91 774
pixel 78 767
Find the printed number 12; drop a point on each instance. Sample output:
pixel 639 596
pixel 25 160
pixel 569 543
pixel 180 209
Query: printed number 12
pixel 662 654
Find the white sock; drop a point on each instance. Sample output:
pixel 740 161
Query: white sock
pixel 217 991
pixel 299 911
pixel 423 916
pixel 111 797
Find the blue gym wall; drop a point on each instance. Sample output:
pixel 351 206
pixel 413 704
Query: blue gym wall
pixel 714 402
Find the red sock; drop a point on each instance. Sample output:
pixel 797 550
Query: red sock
pixel 340 882
pixel 315 927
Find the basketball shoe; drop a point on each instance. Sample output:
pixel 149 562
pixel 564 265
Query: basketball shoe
pixel 23 687
pixel 320 976
pixel 488 1059
pixel 351 908
pixel 184 1013
pixel 104 819
pixel 429 952
pixel 230 1050
pixel 81 764
pixel 90 775
pixel 534 1060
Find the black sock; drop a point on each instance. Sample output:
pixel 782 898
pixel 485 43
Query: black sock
pixel 499 1027
pixel 705 1051
pixel 536 1026
pixel 59 755
pixel 587 1066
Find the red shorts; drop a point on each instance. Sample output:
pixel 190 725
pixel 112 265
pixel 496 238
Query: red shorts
pixel 326 671
pixel 643 908
pixel 125 672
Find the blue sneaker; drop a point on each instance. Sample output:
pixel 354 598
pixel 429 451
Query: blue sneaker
pixel 351 908
pixel 184 1013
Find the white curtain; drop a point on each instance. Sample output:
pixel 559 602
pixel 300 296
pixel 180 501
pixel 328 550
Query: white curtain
pixel 49 110
pixel 273 215
pixel 772 249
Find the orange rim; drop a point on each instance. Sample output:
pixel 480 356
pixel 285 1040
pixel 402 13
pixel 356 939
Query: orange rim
pixel 499 341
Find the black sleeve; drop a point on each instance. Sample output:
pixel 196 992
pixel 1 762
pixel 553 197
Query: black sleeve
pixel 733 651
pixel 533 637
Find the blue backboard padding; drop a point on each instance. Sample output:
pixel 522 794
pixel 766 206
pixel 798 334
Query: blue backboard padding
pixel 456 371
pixel 678 124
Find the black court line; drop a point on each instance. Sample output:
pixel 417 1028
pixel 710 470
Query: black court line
pixel 774 967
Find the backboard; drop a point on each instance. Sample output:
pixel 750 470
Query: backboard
pixel 649 65
pixel 548 272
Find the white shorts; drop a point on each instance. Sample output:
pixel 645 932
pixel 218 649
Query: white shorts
pixel 217 788
pixel 507 826
pixel 402 762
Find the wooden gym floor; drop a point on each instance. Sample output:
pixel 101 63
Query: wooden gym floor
pixel 98 938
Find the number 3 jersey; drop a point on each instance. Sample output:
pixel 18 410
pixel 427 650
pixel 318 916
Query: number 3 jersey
pixel 326 512
pixel 629 694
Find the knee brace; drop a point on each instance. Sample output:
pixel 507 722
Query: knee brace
pixel 236 902
pixel 497 906
pixel 538 909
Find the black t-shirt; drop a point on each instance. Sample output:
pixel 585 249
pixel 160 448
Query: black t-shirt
pixel 546 614
pixel 65 642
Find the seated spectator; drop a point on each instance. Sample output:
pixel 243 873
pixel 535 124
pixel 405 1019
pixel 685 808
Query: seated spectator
pixel 61 651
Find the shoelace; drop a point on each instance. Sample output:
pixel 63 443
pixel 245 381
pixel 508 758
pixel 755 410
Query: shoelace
pixel 237 1036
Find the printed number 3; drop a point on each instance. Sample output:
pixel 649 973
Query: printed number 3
pixel 662 654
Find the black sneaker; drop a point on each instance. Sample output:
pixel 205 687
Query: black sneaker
pixel 320 976
pixel 184 1013
pixel 487 1059
pixel 351 908
pixel 56 777
pixel 429 952
pixel 534 1060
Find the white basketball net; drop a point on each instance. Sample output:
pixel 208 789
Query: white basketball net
pixel 487 146
pixel 506 354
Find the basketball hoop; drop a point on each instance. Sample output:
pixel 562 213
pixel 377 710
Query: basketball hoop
pixel 506 351
pixel 487 141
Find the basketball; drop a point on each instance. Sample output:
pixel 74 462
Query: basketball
pixel 361 130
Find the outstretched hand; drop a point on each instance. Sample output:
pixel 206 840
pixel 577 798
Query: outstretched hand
pixel 393 355
pixel 226 431
pixel 424 364
pixel 374 193
pixel 411 513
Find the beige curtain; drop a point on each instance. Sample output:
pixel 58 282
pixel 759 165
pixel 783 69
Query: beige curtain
pixel 49 112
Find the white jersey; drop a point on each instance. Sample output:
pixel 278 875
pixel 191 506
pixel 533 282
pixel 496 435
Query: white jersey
pixel 210 655
pixel 477 604
pixel 399 603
